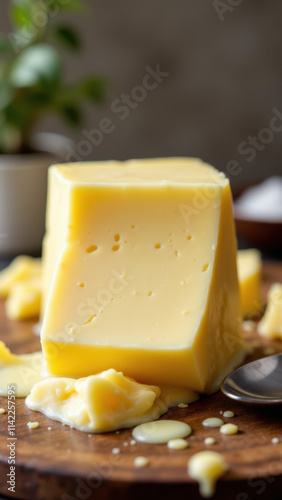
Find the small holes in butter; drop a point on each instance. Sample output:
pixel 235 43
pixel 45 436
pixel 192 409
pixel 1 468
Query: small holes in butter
pixel 91 249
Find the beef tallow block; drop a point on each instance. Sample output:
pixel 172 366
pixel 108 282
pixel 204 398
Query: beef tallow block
pixel 140 272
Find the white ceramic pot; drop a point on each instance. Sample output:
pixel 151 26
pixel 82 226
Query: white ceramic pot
pixel 23 187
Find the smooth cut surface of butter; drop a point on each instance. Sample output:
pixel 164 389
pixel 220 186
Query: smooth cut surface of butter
pixel 271 323
pixel 250 274
pixel 20 370
pixel 98 403
pixel 140 272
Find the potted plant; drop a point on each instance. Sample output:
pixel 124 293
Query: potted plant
pixel 32 85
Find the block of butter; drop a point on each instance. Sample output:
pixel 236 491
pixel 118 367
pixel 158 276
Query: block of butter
pixel 21 269
pixel 250 276
pixel 21 285
pixel 271 322
pixel 140 272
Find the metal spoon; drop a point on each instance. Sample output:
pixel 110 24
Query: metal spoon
pixel 256 383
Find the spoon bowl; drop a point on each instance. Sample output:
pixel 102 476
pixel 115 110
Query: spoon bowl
pixel 257 383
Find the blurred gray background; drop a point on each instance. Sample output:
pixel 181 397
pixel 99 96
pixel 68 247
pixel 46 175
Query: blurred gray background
pixel 224 82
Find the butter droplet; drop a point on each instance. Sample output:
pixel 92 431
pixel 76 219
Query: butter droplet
pixel 116 451
pixel 275 440
pixel 228 414
pixel 182 405
pixel 2 410
pixel 141 462
pixel 209 440
pixel 32 425
pixel 177 444
pixel 213 422
pixel 229 429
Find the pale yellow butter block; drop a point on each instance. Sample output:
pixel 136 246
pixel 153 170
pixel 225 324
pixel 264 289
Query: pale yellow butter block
pixel 140 272
pixel 249 265
pixel 271 323
pixel 24 300
pixel 21 268
pixel 99 403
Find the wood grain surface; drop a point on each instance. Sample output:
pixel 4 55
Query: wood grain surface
pixel 63 463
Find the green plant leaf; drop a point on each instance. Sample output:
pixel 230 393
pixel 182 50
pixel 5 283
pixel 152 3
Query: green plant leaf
pixel 94 88
pixel 71 113
pixel 69 36
pixel 37 65
pixel 64 5
pixel 20 15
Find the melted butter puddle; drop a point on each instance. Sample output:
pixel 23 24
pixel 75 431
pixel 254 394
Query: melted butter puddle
pixel 20 370
pixel 161 431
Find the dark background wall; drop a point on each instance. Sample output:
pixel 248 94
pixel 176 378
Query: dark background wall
pixel 224 80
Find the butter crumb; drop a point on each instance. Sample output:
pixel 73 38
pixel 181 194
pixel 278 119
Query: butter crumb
pixel 183 405
pixel 228 414
pixel 248 325
pixel 49 428
pixel 209 440
pixel 229 429
pixel 32 425
pixel 268 351
pixel 116 451
pixel 89 435
pixel 132 442
pixel 177 444
pixel 275 440
pixel 125 443
pixel 2 410
pixel 141 462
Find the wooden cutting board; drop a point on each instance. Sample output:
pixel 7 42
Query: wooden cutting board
pixel 63 463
